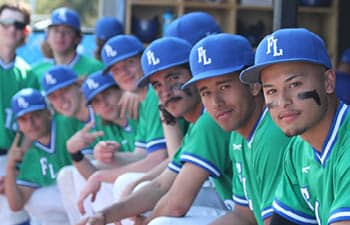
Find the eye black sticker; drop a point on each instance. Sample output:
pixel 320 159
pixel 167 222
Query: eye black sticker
pixel 310 94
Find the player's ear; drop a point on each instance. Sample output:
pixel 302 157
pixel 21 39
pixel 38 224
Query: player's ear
pixel 78 38
pixel 255 89
pixel 329 81
pixel 27 30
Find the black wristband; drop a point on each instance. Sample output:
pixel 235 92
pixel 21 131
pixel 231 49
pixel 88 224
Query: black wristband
pixel 168 118
pixel 77 157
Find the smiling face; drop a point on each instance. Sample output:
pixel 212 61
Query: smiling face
pixel 167 84
pixel 228 101
pixel 105 103
pixel 296 94
pixel 127 73
pixel 35 125
pixel 67 100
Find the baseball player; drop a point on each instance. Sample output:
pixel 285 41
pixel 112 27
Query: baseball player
pixel 101 91
pixel 257 145
pixel 62 89
pixel 14 75
pixel 191 27
pixel 105 28
pixel 32 182
pixel 125 68
pixel 63 37
pixel 202 152
pixel 298 84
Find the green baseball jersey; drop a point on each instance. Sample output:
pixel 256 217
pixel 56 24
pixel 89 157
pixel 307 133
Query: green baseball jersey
pixel 150 134
pixel 257 165
pixel 125 136
pixel 41 164
pixel 314 188
pixel 206 145
pixel 13 77
pixel 128 135
pixel 81 64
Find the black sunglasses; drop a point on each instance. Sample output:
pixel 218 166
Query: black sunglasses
pixel 18 25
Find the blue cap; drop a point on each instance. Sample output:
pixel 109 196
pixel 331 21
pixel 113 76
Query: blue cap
pixel 27 100
pixel 287 45
pixel 193 26
pixel 218 55
pixel 96 83
pixel 58 77
pixel 162 54
pixel 119 48
pixel 345 57
pixel 67 17
pixel 107 27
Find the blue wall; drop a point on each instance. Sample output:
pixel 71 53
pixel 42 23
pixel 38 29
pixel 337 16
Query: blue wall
pixel 31 52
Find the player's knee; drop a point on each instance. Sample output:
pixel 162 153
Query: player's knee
pixel 141 185
pixel 122 182
pixel 65 176
pixel 123 179
pixel 163 221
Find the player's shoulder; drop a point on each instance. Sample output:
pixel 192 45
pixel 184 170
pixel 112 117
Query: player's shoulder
pixel 87 58
pixel 67 125
pixel 21 63
pixel 339 132
pixel 90 61
pixel 31 154
pixel 343 132
pixel 343 137
pixel 42 64
pixel 151 93
pixel 270 135
pixel 150 102
pixel 206 123
pixel 41 67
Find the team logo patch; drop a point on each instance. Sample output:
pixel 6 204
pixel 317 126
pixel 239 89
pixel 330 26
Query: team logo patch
pixel 92 84
pixel 202 56
pixel 272 46
pixel 236 147
pixel 151 59
pixel 110 52
pixel 22 103
pixel 62 15
pixel 49 79
pixel 306 169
